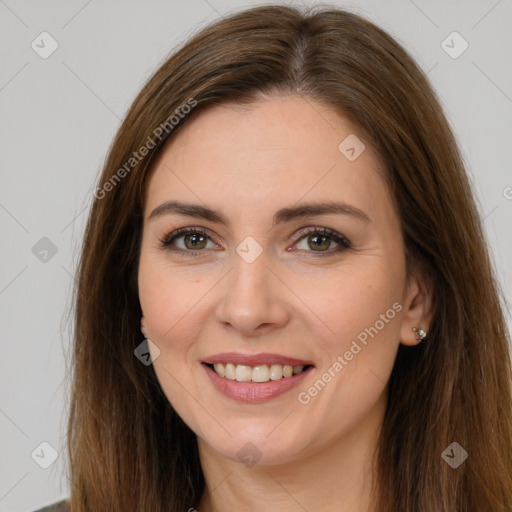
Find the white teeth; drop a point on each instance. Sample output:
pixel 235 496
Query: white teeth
pixel 220 369
pixel 229 370
pixel 243 373
pixel 262 373
pixel 276 372
pixel 287 370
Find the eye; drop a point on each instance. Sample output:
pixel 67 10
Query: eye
pixel 188 241
pixel 319 240
pixel 191 241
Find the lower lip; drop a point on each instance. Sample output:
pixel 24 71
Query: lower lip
pixel 252 392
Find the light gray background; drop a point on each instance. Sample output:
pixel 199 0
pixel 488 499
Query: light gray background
pixel 58 118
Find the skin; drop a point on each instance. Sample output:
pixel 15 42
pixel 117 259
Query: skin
pixel 248 163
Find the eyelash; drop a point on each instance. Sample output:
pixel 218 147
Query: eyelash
pixel 343 242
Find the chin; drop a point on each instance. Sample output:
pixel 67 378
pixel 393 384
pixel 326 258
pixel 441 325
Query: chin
pixel 258 445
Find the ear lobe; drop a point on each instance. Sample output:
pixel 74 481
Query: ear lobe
pixel 143 327
pixel 417 309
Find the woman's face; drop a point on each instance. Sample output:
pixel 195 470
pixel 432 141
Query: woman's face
pixel 259 291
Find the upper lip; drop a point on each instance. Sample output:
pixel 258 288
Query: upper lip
pixel 255 359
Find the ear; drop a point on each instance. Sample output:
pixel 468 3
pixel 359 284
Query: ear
pixel 418 303
pixel 143 327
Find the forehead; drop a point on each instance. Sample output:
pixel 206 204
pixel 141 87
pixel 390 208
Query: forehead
pixel 271 153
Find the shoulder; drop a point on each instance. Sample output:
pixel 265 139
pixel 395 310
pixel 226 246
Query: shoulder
pixel 59 506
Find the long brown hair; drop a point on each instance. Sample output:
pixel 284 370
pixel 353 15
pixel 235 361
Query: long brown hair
pixel 128 449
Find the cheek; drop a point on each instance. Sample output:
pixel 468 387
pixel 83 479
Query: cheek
pixel 355 302
pixel 171 304
pixel 170 301
pixel 361 307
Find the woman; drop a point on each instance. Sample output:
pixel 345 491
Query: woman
pixel 220 361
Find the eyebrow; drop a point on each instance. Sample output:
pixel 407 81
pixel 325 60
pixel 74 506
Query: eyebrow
pixel 288 214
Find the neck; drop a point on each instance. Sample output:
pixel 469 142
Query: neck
pixel 337 478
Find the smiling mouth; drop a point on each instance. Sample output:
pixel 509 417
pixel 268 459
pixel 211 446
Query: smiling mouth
pixel 256 374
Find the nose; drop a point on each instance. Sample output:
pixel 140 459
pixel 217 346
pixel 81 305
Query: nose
pixel 254 298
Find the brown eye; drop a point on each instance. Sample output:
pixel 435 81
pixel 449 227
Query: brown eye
pixel 321 240
pixel 318 242
pixel 187 240
pixel 195 241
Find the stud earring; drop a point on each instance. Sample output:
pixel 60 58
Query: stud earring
pixel 420 334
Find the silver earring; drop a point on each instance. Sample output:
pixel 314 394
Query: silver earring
pixel 420 334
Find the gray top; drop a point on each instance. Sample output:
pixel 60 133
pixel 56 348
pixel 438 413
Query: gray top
pixel 59 506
